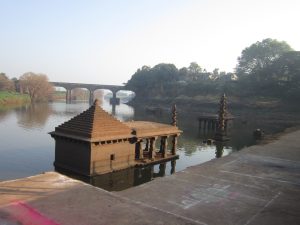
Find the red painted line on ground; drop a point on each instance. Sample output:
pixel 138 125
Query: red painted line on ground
pixel 26 215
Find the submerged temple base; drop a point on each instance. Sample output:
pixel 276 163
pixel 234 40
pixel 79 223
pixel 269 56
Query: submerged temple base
pixel 156 160
pixel 94 142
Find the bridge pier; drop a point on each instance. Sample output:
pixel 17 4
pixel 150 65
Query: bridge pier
pixel 113 110
pixel 91 98
pixel 68 95
pixel 114 100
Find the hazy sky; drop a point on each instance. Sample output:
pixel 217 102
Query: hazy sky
pixel 105 42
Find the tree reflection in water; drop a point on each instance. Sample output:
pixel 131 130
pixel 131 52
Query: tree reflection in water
pixel 3 114
pixel 33 115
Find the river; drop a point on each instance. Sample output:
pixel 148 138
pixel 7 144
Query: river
pixel 27 149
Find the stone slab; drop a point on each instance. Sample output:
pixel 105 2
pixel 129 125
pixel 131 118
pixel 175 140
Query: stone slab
pixel 258 185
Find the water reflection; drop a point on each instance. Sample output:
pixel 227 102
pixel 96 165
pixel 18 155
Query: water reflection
pixel 33 115
pixel 34 151
pixel 123 112
pixel 123 179
pixel 219 149
pixel 3 114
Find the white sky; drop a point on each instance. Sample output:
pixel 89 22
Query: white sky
pixel 105 42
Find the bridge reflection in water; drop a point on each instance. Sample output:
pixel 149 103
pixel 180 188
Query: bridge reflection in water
pixel 123 179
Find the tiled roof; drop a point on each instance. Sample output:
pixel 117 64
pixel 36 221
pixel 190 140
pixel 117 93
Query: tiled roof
pixel 94 124
pixel 151 129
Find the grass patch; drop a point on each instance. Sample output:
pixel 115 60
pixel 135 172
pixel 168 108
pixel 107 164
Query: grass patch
pixel 13 98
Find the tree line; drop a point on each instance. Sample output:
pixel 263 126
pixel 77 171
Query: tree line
pixel 35 85
pixel 268 68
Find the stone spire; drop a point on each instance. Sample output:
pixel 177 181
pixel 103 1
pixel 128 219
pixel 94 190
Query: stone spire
pixel 220 134
pixel 174 115
pixel 222 113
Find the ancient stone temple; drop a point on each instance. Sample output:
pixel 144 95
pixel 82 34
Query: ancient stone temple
pixel 94 142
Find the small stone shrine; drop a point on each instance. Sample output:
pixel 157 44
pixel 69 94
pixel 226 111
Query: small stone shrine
pixel 94 142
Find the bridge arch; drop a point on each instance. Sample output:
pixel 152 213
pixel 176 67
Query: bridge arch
pixel 91 87
pixel 80 94
pixel 125 96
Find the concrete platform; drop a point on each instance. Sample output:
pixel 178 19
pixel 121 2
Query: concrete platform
pixel 258 185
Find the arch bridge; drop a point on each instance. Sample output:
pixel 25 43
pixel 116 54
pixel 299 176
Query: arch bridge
pixel 91 88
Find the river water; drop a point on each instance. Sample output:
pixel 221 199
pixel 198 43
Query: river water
pixel 27 149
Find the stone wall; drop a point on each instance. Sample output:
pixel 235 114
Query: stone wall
pixel 109 157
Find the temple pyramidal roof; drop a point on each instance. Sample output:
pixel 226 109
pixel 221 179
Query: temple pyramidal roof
pixel 150 129
pixel 94 124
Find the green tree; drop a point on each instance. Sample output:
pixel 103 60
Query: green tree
pixel 194 68
pixel 193 73
pixel 286 69
pixel 215 74
pixel 152 82
pixel 283 76
pixel 259 56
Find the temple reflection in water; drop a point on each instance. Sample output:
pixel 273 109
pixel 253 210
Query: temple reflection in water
pixel 126 178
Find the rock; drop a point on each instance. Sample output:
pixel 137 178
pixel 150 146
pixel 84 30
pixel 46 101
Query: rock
pixel 258 134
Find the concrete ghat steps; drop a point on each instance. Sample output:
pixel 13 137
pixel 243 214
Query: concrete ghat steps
pixel 258 185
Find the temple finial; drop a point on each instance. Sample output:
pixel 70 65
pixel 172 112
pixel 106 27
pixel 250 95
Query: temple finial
pixel 174 115
pixel 222 114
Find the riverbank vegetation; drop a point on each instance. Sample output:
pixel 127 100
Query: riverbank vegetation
pixel 267 73
pixel 29 87
pixel 8 98
pixel 36 86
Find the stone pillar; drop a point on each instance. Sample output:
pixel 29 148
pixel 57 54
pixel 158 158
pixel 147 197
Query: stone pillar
pixel 147 145
pixel 200 121
pixel 113 109
pixel 162 169
pixel 68 96
pixel 114 100
pixel 152 171
pixel 141 155
pixel 139 150
pixel 174 144
pixel 91 98
pixel 173 165
pixel 152 148
pixel 163 146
